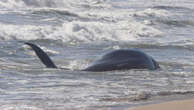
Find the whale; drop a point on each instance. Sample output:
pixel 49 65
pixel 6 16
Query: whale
pixel 121 59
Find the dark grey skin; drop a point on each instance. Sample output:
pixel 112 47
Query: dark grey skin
pixel 122 59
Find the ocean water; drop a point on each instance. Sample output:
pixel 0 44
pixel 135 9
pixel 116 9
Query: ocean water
pixel 76 32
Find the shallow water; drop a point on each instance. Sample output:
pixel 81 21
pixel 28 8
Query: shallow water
pixel 75 33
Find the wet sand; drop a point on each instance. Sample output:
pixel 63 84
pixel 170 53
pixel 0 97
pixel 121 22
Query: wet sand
pixel 172 105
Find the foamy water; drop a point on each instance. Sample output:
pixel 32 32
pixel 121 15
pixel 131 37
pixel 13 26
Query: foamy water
pixel 75 33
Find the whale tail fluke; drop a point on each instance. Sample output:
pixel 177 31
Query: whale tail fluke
pixel 42 55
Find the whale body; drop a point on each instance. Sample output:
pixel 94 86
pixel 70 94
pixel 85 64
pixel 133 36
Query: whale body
pixel 122 59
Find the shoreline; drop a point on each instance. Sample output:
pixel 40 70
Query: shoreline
pixel 186 104
pixel 156 100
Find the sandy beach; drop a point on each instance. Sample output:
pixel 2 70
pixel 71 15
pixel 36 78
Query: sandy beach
pixel 173 105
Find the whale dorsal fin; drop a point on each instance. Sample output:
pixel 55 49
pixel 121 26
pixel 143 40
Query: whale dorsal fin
pixel 42 55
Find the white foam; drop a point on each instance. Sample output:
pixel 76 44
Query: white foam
pixel 11 4
pixel 18 107
pixel 78 31
pixel 76 65
pixel 21 4
pixel 100 24
pixel 150 12
pixel 26 32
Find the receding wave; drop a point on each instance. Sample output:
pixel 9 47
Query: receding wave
pixel 54 12
pixel 181 92
pixel 137 97
pixel 170 7
pixel 176 23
